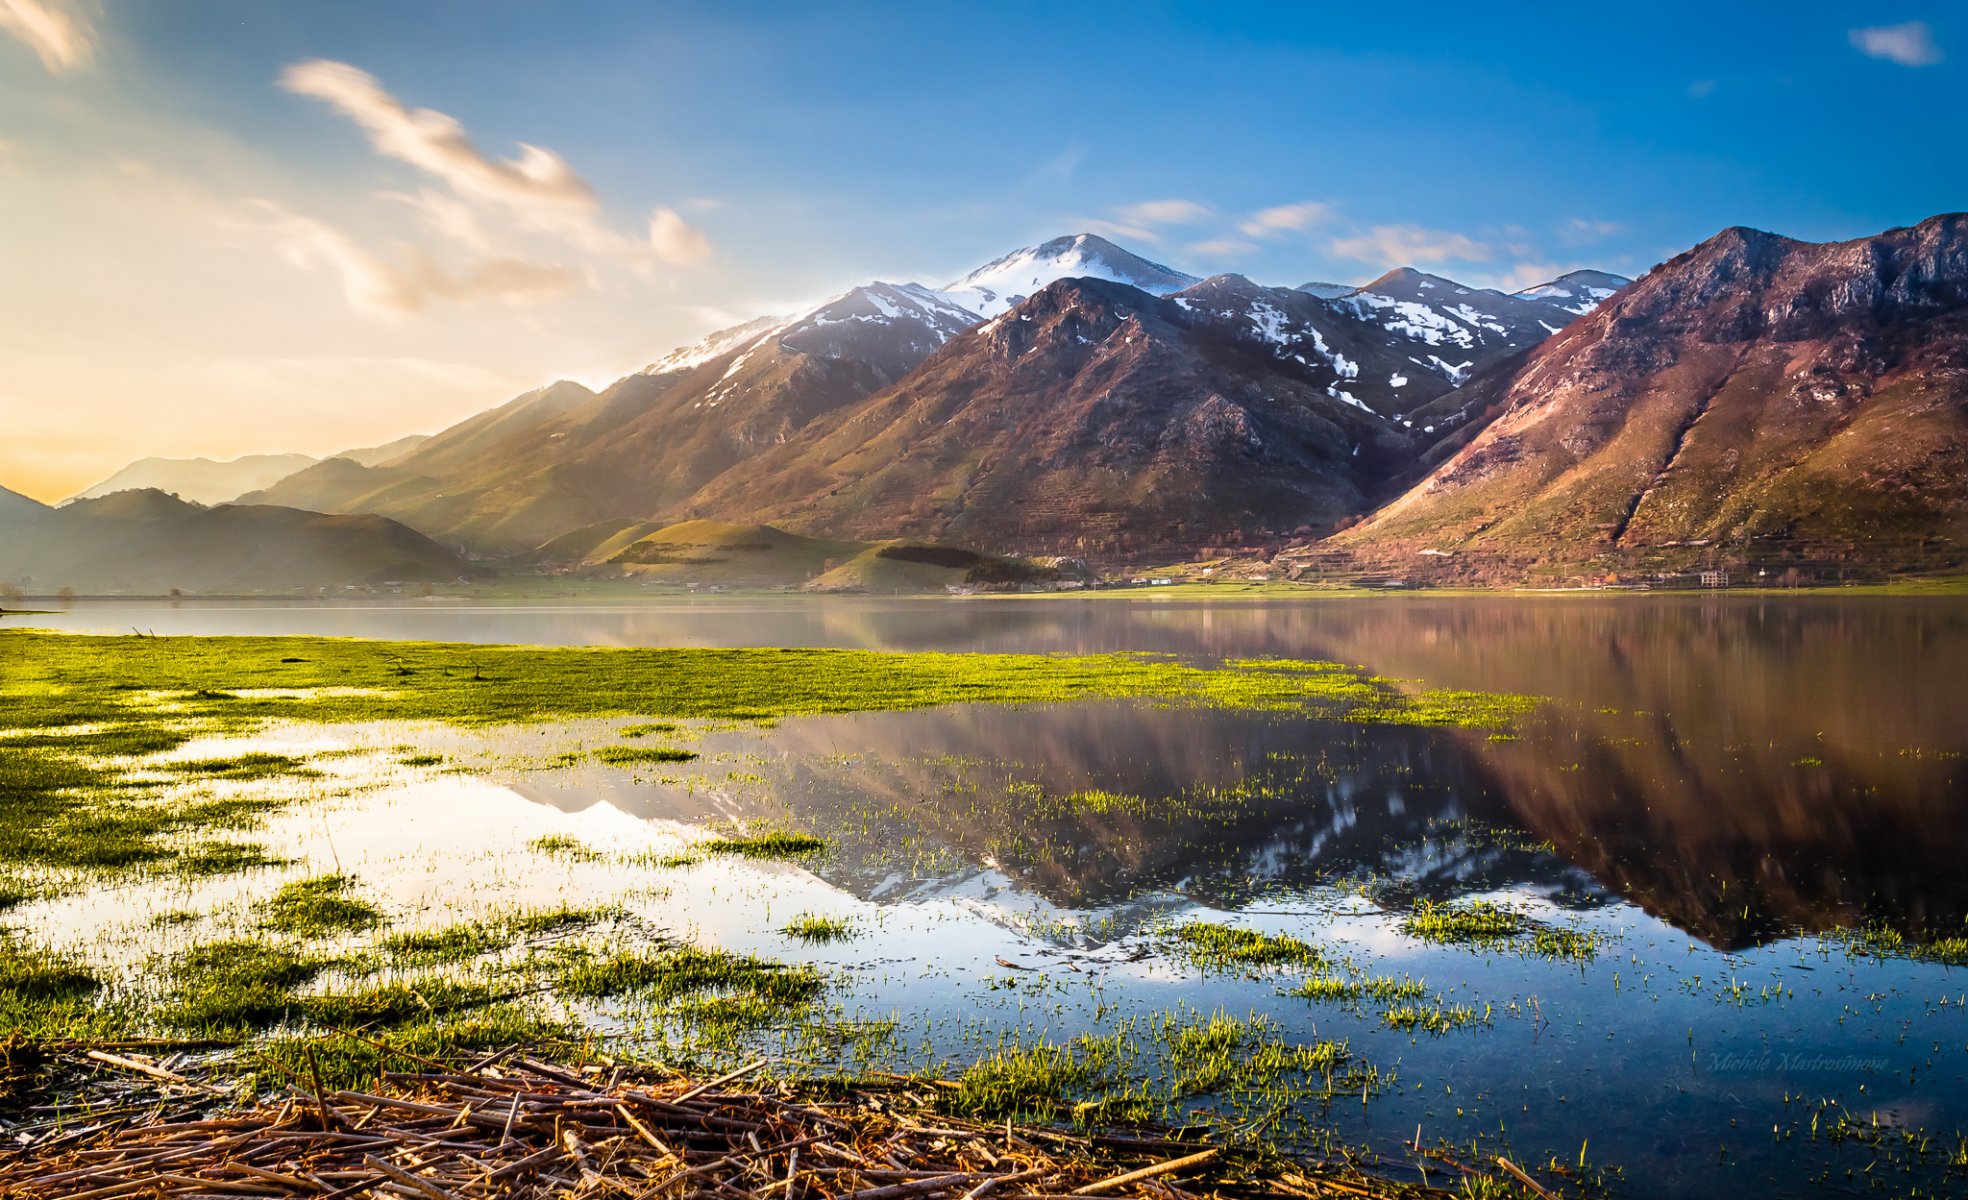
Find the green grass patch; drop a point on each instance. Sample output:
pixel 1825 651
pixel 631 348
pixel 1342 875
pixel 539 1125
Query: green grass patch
pixel 244 766
pixel 1882 941
pixel 560 845
pixel 766 845
pixel 1227 947
pixel 1436 1018
pixel 646 728
pixel 629 756
pixel 1480 922
pixel 233 987
pixel 43 994
pixel 317 907
pixel 349 1060
pixel 815 929
pixel 677 972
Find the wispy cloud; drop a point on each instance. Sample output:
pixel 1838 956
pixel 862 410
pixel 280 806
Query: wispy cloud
pixel 538 189
pixel 675 240
pixel 1286 218
pixel 1583 231
pixel 1223 247
pixel 1395 245
pixel 1150 213
pixel 378 287
pixel 59 31
pixel 1910 43
pixel 438 143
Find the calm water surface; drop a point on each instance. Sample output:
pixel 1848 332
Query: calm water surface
pixel 1715 783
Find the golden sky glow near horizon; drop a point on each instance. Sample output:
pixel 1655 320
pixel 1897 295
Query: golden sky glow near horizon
pixel 177 292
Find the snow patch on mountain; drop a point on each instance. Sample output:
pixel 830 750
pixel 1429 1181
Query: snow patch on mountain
pixel 1578 292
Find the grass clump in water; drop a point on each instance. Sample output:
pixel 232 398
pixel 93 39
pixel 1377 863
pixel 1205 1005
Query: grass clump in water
pixel 462 943
pixel 227 858
pixel 399 1002
pixel 1436 1018
pixel 679 972
pixel 815 929
pixel 1036 1082
pixel 1481 922
pixel 1228 947
pixel 778 844
pixel 560 845
pixel 318 907
pixel 629 756
pixel 1576 945
pixel 245 766
pixel 644 729
pixel 1883 941
pixel 1355 988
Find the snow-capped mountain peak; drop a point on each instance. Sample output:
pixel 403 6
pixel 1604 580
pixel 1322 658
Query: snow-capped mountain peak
pixel 996 286
pixel 1578 291
pixel 724 341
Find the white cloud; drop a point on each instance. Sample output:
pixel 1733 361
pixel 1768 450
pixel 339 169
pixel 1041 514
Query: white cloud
pixel 57 30
pixel 1150 213
pixel 377 287
pixel 539 190
pixel 437 143
pixel 675 240
pixel 1397 245
pixel 1286 218
pixel 1222 247
pixel 1910 44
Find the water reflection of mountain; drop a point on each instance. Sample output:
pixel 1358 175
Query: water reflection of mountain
pixel 1217 806
pixel 1738 766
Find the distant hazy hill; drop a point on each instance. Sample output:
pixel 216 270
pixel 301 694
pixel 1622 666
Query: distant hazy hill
pixel 148 542
pixel 1785 399
pixel 15 508
pixel 201 480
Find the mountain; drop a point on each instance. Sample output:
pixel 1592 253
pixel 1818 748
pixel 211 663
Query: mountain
pixel 146 541
pixel 996 286
pixel 1577 292
pixel 724 429
pixel 1091 418
pixel 15 508
pixel 201 480
pixel 563 458
pixel 376 456
pixel 1755 402
pixel 1326 291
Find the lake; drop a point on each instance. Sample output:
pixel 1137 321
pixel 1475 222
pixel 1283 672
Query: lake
pixel 1718 791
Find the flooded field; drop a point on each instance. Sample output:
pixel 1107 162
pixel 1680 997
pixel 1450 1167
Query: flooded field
pixel 1691 924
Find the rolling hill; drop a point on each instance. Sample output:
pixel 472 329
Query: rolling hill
pixel 148 542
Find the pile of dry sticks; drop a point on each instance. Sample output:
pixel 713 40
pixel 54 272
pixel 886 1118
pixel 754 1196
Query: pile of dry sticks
pixel 512 1126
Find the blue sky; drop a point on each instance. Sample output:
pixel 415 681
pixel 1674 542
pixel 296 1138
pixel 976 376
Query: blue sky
pixel 223 255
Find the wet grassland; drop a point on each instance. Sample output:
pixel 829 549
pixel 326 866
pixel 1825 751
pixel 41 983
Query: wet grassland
pixel 284 854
